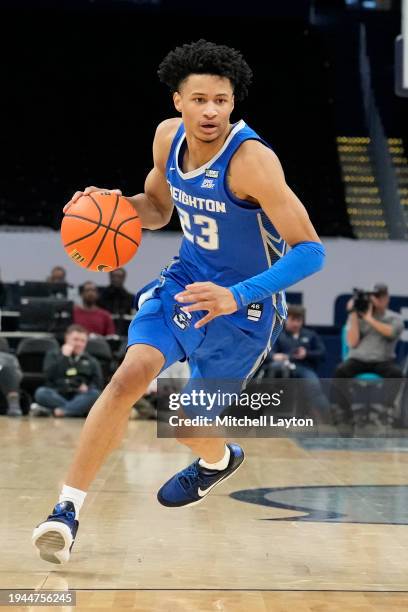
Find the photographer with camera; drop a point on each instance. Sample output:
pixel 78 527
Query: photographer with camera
pixel 372 334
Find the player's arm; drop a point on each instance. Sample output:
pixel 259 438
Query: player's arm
pixel 155 205
pixel 256 175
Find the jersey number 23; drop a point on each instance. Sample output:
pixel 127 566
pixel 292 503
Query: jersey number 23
pixel 206 234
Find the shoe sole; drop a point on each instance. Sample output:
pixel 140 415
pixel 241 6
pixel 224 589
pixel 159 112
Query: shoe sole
pixel 53 541
pixel 198 501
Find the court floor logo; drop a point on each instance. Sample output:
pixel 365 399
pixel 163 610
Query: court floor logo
pixel 369 504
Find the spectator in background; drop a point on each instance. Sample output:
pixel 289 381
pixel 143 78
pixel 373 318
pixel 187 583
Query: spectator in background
pixel 96 320
pixel 58 275
pixel 115 297
pixel 372 335
pixel 297 352
pixel 2 294
pixel 73 378
pixel 10 379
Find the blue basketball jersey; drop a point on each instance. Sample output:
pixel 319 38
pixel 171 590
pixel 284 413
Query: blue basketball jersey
pixel 226 240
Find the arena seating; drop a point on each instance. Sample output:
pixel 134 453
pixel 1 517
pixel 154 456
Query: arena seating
pixel 37 186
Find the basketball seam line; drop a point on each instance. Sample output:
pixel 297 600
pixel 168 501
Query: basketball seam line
pixel 115 249
pixel 82 237
pixel 93 231
pixel 106 231
pixel 99 225
pixel 98 207
pixel 116 235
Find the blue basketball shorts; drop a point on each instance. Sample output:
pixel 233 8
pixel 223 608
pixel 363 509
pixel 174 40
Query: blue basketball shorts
pixel 221 349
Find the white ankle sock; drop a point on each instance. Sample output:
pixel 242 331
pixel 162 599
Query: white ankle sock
pixel 76 496
pixel 219 465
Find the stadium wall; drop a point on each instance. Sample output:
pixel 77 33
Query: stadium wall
pixel 350 263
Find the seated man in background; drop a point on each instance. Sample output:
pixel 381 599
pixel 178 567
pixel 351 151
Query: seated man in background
pixel 372 334
pixel 96 320
pixel 115 297
pixel 73 378
pixel 296 354
pixel 10 379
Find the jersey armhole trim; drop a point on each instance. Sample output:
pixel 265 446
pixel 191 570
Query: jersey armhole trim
pixel 175 141
pixel 241 203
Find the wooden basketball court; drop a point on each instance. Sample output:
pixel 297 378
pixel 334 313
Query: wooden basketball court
pixel 300 527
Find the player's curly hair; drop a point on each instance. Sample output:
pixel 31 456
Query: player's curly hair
pixel 203 57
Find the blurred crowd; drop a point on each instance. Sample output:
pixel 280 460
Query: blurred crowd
pixel 369 363
pixel 61 374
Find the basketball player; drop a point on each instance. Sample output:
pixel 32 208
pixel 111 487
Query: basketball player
pixel 237 214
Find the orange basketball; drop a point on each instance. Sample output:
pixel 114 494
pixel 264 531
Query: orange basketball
pixel 101 231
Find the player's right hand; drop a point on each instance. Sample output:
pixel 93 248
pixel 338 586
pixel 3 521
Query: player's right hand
pixel 87 191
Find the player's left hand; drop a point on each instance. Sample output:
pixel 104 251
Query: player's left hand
pixel 207 296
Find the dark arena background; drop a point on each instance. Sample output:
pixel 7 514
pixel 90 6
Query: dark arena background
pixel 312 522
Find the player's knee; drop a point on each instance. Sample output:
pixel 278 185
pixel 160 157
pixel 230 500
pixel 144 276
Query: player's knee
pixel 131 379
pixel 122 385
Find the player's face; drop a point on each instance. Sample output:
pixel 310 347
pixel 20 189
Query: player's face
pixel 205 102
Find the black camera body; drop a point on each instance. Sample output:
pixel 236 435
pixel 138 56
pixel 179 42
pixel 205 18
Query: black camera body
pixel 362 300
